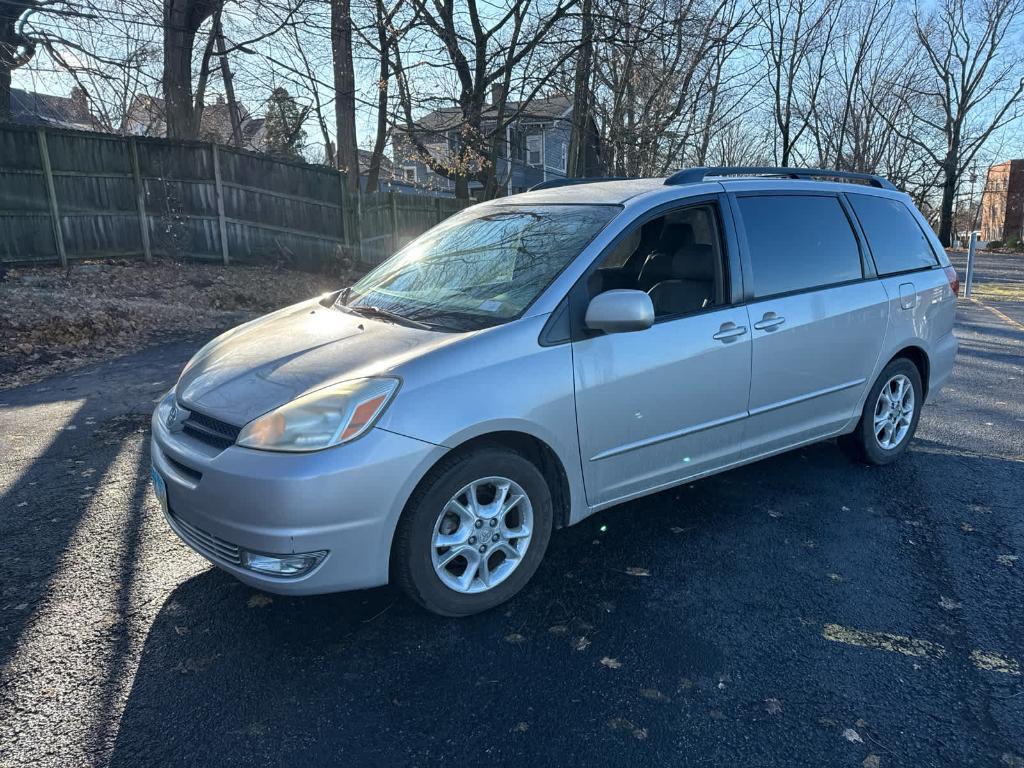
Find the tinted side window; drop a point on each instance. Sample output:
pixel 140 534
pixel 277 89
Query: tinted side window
pixel 896 240
pixel 798 242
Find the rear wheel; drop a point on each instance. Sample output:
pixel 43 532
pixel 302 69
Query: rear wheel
pixel 890 415
pixel 474 532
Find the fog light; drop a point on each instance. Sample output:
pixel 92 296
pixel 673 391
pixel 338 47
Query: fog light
pixel 282 565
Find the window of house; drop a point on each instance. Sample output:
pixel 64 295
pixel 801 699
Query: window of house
pixel 897 242
pixel 534 150
pixel 798 242
pixel 409 172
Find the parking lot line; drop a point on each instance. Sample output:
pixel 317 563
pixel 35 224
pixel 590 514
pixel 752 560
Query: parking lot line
pixel 910 646
pixel 999 314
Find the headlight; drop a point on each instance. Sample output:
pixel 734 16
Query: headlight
pixel 326 417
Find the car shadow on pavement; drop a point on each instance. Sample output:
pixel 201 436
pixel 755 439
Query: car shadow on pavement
pixel 652 629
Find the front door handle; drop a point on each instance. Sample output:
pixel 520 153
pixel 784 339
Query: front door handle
pixel 769 322
pixel 729 332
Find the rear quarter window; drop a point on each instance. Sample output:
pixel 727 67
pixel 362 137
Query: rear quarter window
pixel 797 242
pixel 896 240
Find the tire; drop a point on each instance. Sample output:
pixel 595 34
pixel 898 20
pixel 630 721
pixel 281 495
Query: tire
pixel 418 559
pixel 863 444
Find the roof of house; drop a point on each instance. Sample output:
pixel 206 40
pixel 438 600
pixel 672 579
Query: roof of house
pixel 549 108
pixel 32 108
pixel 148 113
pixel 387 168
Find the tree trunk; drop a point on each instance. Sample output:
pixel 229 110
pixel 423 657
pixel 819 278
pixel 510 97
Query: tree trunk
pixel 579 137
pixel 229 86
pixel 949 182
pixel 345 88
pixel 182 19
pixel 373 172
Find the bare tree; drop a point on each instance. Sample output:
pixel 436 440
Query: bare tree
pixel 483 60
pixel 345 91
pixel 662 80
pixel 182 20
pixel 794 37
pixel 976 83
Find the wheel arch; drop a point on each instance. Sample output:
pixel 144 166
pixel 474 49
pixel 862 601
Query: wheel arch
pixel 537 450
pixel 542 455
pixel 919 358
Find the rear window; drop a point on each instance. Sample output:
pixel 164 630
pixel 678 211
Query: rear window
pixel 798 242
pixel 897 242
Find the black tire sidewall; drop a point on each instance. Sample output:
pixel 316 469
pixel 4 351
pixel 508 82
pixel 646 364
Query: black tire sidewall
pixel 871 451
pixel 413 564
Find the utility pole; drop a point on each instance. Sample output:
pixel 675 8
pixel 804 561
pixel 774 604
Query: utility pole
pixel 229 88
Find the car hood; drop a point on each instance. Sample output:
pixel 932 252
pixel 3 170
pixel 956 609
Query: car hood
pixel 270 361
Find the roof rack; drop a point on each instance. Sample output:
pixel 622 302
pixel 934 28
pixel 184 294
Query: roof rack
pixel 569 182
pixel 694 175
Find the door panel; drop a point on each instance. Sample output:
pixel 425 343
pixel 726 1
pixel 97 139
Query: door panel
pixel 812 354
pixel 659 405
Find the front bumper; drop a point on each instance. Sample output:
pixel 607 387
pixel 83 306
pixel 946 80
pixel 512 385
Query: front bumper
pixel 346 500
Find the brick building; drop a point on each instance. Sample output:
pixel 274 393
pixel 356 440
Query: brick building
pixel 1002 202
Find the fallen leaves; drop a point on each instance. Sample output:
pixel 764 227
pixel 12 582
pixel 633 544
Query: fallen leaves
pixel 53 319
pixel 636 571
pixel 948 603
pixel 1007 560
pixel 852 736
pixel 773 706
pixel 515 638
pixel 610 663
pixel 581 644
pixel 871 761
pixel 622 724
pixel 259 600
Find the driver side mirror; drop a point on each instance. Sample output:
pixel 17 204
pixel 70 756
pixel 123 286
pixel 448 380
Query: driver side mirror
pixel 619 311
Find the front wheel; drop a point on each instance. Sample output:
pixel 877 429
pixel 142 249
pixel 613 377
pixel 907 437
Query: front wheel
pixel 890 415
pixel 474 532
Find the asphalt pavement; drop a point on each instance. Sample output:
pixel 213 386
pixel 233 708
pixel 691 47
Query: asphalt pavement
pixel 802 611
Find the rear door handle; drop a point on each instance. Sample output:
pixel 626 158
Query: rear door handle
pixel 729 332
pixel 769 322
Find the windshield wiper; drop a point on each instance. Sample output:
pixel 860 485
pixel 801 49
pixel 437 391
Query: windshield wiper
pixel 387 314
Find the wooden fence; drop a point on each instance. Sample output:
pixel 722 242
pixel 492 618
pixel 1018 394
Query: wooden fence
pixel 68 195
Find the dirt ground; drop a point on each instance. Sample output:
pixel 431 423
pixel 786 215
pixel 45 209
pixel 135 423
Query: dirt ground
pixel 54 319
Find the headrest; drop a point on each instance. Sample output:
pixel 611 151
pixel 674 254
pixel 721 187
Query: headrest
pixel 696 262
pixel 676 235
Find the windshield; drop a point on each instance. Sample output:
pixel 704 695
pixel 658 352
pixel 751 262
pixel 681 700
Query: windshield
pixel 480 267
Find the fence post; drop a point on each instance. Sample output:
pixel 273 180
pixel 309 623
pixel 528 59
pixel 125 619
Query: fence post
pixel 359 224
pixel 393 203
pixel 440 209
pixel 51 193
pixel 140 198
pixel 219 190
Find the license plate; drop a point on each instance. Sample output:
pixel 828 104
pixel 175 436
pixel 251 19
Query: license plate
pixel 159 488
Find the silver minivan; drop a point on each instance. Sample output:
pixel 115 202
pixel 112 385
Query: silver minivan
pixel 540 357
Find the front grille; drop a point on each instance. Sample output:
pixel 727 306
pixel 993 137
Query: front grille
pixel 207 543
pixel 214 432
pixel 192 474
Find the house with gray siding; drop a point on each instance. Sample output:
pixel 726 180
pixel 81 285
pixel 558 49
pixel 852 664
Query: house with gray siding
pixel 536 146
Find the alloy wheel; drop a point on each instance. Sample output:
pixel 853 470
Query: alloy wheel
pixel 894 412
pixel 481 535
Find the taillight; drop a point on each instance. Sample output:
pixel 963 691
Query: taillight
pixel 954 280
